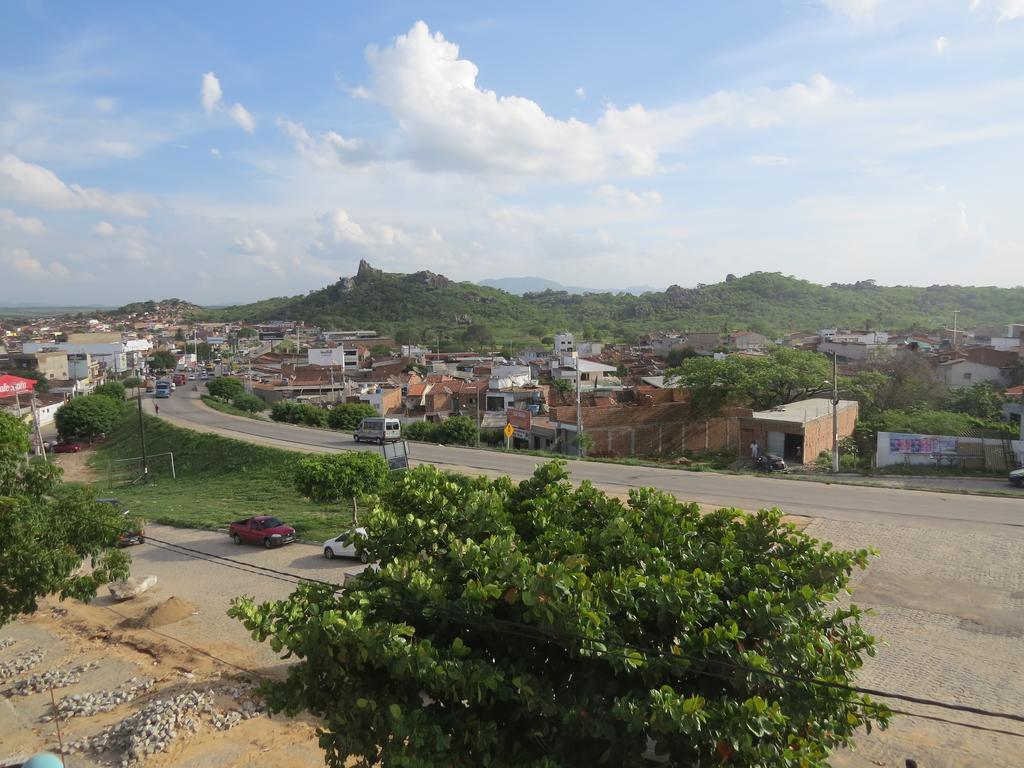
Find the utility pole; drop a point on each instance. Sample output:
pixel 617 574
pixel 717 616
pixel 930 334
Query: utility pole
pixel 835 413
pixel 955 313
pixel 579 411
pixel 35 421
pixel 476 397
pixel 142 438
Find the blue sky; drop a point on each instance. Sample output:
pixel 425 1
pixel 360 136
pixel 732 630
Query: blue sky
pixel 224 152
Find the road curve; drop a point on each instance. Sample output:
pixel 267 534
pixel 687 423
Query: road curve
pixel 811 499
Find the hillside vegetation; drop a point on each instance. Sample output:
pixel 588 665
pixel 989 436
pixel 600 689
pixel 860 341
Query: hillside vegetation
pixel 423 304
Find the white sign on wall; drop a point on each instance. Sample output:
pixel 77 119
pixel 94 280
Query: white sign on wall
pixel 331 356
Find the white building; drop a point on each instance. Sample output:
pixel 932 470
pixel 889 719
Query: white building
pixel 117 356
pixel 565 344
pixel 337 357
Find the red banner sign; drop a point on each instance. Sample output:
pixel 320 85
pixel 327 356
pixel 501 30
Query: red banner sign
pixel 15 385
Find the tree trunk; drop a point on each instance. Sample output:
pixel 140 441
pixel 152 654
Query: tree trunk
pixel 355 512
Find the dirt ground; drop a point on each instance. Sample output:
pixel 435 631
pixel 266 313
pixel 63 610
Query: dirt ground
pixel 114 636
pixel 76 467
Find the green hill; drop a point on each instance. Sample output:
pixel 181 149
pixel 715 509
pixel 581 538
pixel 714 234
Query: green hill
pixel 425 303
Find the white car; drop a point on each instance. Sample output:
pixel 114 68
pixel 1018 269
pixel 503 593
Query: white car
pixel 344 545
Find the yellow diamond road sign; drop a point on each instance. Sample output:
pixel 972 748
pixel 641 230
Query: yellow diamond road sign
pixel 509 429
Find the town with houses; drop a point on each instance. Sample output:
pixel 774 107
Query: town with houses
pixel 619 395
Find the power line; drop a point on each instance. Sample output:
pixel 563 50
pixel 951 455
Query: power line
pixel 536 633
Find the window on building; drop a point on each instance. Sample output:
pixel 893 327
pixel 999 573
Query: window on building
pixel 967 377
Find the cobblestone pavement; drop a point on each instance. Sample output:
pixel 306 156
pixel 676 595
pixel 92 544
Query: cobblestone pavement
pixel 948 610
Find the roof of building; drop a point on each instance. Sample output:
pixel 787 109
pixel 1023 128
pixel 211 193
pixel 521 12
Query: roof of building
pixel 803 411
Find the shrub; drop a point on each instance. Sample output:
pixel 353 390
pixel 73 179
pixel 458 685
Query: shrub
pixel 291 412
pixel 458 430
pixel 225 388
pixel 84 418
pixel 249 403
pixel 423 431
pixel 348 415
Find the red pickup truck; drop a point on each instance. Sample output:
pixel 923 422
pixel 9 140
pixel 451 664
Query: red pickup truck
pixel 262 529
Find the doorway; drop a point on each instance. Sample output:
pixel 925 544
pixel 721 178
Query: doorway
pixel 794 448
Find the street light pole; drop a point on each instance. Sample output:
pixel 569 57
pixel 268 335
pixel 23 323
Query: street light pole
pixel 579 411
pixel 835 413
pixel 142 438
pixel 955 313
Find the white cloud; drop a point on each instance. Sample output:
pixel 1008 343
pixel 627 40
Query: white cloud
pixel 211 97
pixel 447 122
pixel 858 10
pixel 581 93
pixel 28 225
pixel 616 195
pixel 941 44
pixel 104 229
pixel 1011 9
pixel 241 115
pixel 35 185
pixel 210 93
pixel 974 4
pixel 21 261
pixel 105 104
pixel 328 149
pixel 256 241
pixel 338 228
pixel 767 160
pixel 216 153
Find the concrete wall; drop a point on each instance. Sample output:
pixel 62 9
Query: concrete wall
pixel 964 373
pixel 971 453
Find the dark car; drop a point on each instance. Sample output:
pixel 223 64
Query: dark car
pixel 771 462
pixel 134 535
pixel 67 447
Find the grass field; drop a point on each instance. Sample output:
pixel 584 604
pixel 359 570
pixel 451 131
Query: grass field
pixel 219 480
pixel 217 405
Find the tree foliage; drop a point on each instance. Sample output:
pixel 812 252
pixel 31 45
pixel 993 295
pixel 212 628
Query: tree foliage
pixel 348 415
pixel 980 400
pixel 225 388
pixel 455 430
pixel 87 417
pixel 46 539
pixel 163 360
pixel 112 389
pixel 291 412
pixel 535 626
pixel 783 376
pixel 349 475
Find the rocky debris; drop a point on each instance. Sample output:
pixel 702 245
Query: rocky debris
pixel 153 728
pixel 57 678
pixel 58 612
pixel 88 704
pixel 150 730
pixel 6 642
pixel 133 587
pixel 21 664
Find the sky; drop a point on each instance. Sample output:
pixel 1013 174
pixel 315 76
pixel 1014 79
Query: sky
pixel 226 152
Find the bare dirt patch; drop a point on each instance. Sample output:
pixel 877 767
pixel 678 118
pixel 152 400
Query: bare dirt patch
pixel 76 467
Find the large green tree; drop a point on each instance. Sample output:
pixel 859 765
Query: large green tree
pixel 783 376
pixel 980 400
pixel 48 532
pixel 87 417
pixel 163 360
pixel 348 475
pixel 112 389
pixel 225 388
pixel 348 415
pixel 536 626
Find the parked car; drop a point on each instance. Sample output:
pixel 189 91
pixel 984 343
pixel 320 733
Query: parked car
pixel 378 430
pixel 261 529
pixel 135 535
pixel 67 447
pixel 345 545
pixel 1017 478
pixel 771 462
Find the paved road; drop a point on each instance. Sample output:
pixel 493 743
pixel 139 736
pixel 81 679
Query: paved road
pixel 947 593
pixel 835 502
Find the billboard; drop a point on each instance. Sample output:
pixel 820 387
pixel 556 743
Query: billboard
pixel 15 385
pixel 921 444
pixel 331 356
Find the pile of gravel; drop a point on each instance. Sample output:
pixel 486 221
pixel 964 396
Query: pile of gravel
pixel 21 664
pixel 151 729
pixel 56 678
pixel 6 642
pixel 88 704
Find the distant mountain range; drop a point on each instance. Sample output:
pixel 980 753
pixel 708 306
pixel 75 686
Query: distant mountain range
pixel 424 305
pixel 520 285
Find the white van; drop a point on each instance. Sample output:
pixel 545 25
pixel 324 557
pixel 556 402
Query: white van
pixel 379 430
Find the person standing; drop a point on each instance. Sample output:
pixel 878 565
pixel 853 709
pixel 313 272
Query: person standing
pixel 755 450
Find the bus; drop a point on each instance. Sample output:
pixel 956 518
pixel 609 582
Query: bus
pixel 163 388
